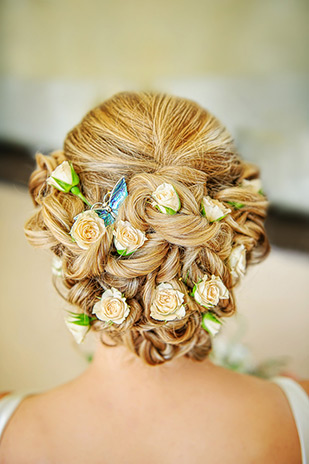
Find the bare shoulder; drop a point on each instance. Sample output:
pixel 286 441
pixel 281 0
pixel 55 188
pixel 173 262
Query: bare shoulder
pixel 305 385
pixel 250 420
pixel 19 425
pixel 265 418
pixel 28 423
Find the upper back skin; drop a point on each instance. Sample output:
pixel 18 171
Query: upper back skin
pixel 224 417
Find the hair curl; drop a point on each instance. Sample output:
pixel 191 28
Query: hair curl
pixel 151 138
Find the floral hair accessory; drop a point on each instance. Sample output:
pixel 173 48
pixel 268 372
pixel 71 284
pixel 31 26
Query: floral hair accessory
pixel 211 324
pixel 127 239
pixel 208 292
pixel 108 209
pixel 112 307
pixel 167 304
pixel 78 324
pixel 87 229
pixel 254 185
pixel 166 199
pixel 237 261
pixel 213 210
pixel 65 179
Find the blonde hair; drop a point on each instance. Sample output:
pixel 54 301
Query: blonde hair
pixel 151 138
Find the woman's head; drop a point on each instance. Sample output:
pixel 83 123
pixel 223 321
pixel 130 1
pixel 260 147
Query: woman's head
pixel 152 139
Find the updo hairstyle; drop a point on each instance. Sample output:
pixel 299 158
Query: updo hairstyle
pixel 150 138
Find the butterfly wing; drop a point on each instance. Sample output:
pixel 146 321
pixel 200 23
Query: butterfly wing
pixel 118 194
pixel 105 215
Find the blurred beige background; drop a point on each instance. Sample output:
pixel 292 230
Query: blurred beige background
pixel 246 61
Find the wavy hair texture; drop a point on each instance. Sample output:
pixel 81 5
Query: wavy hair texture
pixel 150 138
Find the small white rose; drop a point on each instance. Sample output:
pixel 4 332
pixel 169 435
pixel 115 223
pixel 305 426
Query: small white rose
pixel 208 292
pixel 63 177
pixel 78 331
pixel 127 239
pixel 57 266
pixel 237 261
pixel 213 210
pixel 166 199
pixel 211 324
pixel 167 304
pixel 254 185
pixel 87 229
pixel 111 307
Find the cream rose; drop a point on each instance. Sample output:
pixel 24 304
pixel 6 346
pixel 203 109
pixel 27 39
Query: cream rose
pixel 211 324
pixel 111 307
pixel 79 331
pixel 213 210
pixel 63 177
pixel 254 185
pixel 87 229
pixel 208 292
pixel 167 304
pixel 237 261
pixel 127 239
pixel 166 199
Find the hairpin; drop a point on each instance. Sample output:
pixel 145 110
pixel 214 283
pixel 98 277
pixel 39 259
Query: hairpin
pixel 65 179
pixel 108 208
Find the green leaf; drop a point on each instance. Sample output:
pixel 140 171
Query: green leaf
pixel 193 291
pixel 219 219
pixel 76 191
pixel 195 287
pixel 123 252
pixel 169 210
pixel 158 208
pixel 209 317
pixel 166 209
pixel 207 307
pixel 75 178
pixel 64 187
pixel 203 209
pixel 81 319
pixel 236 205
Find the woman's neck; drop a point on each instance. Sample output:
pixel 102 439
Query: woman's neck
pixel 119 365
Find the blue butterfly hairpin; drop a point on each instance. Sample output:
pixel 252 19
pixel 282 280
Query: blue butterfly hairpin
pixel 108 209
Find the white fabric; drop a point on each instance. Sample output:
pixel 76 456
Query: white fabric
pixel 299 403
pixel 296 395
pixel 8 404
